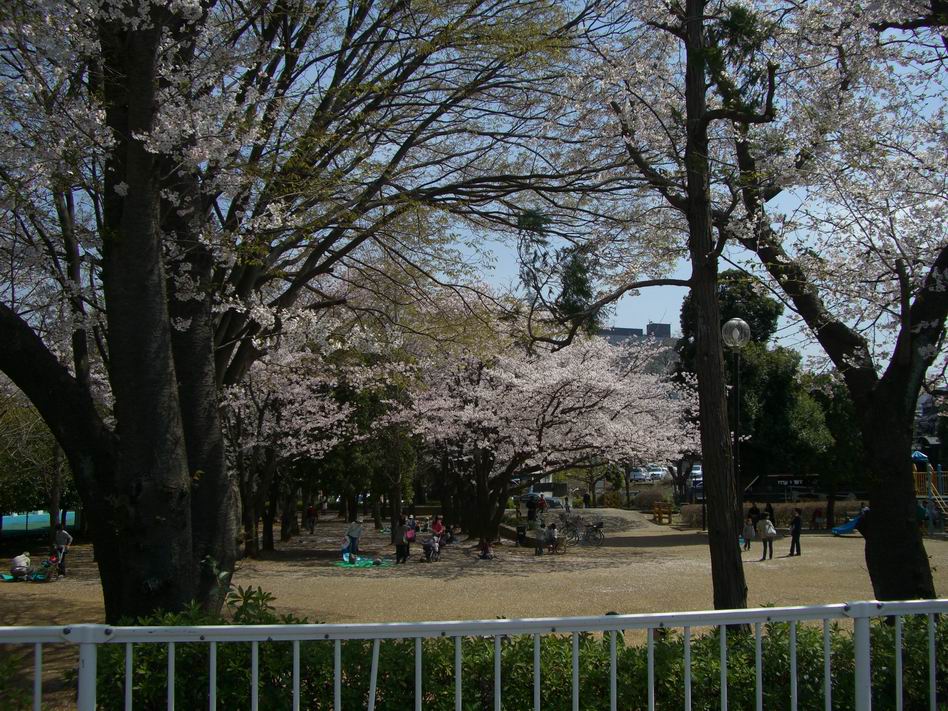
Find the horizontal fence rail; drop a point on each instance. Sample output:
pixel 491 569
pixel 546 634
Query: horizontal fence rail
pixel 727 625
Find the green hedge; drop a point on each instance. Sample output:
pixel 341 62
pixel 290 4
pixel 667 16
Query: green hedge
pixel 396 669
pixel 691 513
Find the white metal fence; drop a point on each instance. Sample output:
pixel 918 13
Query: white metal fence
pixel 90 638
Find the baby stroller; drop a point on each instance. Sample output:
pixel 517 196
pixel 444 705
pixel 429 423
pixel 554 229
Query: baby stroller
pixel 432 550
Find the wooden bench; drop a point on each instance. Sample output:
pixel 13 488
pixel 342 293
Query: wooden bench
pixel 662 512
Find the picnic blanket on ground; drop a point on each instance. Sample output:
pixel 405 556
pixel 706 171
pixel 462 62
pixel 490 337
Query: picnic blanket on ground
pixel 363 563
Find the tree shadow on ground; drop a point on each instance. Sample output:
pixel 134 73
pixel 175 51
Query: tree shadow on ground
pixel 660 540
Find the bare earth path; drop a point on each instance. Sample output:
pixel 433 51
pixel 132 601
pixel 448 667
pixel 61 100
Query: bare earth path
pixel 640 568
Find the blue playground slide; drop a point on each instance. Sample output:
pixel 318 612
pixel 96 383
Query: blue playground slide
pixel 847 527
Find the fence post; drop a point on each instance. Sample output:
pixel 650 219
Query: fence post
pixel 861 613
pixel 87 637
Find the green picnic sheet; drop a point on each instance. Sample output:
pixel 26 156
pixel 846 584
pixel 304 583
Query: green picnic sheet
pixel 363 563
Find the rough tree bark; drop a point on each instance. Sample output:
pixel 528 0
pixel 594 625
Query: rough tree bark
pixel 727 571
pixel 151 504
pixel 138 485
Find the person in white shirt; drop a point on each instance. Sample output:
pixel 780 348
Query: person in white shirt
pixel 20 565
pixel 354 533
pixel 61 543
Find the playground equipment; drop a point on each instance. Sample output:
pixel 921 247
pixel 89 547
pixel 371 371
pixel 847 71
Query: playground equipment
pixel 930 482
pixel 847 527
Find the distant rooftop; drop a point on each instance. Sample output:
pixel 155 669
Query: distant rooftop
pixel 618 334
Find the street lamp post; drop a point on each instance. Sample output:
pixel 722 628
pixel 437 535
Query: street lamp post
pixel 736 334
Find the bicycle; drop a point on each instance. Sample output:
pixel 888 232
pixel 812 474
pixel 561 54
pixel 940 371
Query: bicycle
pixel 572 528
pixel 558 546
pixel 593 534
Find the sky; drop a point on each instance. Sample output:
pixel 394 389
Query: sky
pixel 660 304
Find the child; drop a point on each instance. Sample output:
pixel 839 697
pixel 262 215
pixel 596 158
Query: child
pixel 551 536
pixel 748 533
pixel 431 549
pixel 541 540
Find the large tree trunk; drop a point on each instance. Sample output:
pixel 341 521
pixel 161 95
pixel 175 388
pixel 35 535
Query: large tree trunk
pixel 727 571
pixel 377 512
pixel 269 515
pixel 895 554
pixel 151 517
pixel 289 523
pixel 396 499
pixel 251 543
pixel 214 492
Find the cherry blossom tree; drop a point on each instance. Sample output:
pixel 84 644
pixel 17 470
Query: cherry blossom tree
pixel 526 415
pixel 863 257
pixel 176 176
pixel 813 136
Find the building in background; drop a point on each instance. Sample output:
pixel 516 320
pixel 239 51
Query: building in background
pixel 616 334
pixel 659 330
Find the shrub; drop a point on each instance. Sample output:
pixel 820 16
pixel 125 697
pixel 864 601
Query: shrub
pixel 14 693
pixel 612 499
pixel 396 668
pixel 691 513
pixel 645 500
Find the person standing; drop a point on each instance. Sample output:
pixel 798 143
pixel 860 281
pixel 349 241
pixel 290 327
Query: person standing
pixel 767 533
pixel 586 499
pixel 769 510
pixel 754 514
pixel 311 517
pixel 354 533
pixel 540 544
pixel 61 542
pixel 402 542
pixel 796 527
pixel 748 533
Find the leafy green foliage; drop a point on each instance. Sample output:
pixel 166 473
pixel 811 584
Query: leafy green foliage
pixel 739 296
pixel 29 456
pixel 788 424
pixel 14 694
pixel 395 682
pixel 559 279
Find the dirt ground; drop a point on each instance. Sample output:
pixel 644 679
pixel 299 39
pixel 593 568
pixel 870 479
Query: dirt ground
pixel 641 567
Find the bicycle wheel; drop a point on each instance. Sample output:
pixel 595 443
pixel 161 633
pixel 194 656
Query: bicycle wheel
pixel 560 546
pixel 596 536
pixel 573 535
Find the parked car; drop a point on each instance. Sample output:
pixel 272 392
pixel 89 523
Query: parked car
pixel 553 502
pixel 638 474
pixel 656 472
